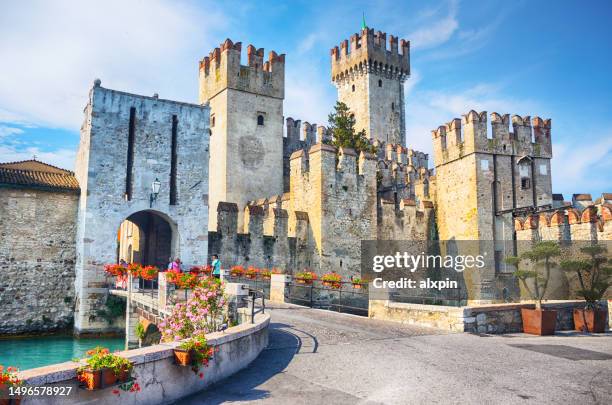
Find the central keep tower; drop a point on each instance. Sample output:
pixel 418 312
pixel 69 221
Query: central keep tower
pixel 369 75
pixel 246 123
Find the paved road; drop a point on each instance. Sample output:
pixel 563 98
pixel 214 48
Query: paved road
pixel 320 357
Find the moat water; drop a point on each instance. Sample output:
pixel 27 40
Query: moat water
pixel 32 352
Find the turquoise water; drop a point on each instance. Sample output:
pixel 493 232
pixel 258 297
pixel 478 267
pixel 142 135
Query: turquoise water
pixel 25 353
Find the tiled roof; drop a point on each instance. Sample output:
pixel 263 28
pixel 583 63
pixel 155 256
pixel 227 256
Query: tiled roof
pixel 34 165
pixel 35 174
pixel 582 197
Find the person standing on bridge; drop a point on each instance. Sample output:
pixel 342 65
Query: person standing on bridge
pixel 216 265
pixel 175 266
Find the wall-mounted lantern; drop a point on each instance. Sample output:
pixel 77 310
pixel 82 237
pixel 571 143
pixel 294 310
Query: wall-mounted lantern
pixel 154 191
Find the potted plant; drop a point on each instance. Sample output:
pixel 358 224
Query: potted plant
pixel 103 369
pixel 183 282
pixel 251 273
pixel 204 312
pixel 134 269
pixel 305 277
pixel 594 281
pixel 266 274
pixel 149 273
pixel 194 352
pixel 8 380
pixel 206 270
pixel 357 283
pixel 537 321
pixel 140 332
pixel 332 280
pixel 237 271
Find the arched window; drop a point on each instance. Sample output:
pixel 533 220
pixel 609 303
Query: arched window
pixel 260 119
pixel 379 83
pixel 392 106
pixel 353 87
pixel 212 121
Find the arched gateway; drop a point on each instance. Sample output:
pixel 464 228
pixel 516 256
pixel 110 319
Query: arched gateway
pixel 142 167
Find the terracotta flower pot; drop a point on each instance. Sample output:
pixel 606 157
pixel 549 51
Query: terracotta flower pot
pixel 108 377
pixel 357 286
pixel 91 379
pixel 539 321
pixel 328 283
pixel 124 375
pixel 589 320
pixel 182 357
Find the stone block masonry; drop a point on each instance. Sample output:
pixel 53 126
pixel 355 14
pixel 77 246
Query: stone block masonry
pixel 37 256
pixel 246 107
pixel 127 142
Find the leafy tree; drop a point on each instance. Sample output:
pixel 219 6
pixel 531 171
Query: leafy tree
pixel 342 127
pixel 593 277
pixel 541 254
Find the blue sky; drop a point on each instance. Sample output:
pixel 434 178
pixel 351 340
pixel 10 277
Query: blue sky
pixel 544 58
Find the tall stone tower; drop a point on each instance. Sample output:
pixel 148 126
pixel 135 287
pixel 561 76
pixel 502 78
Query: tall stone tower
pixel 128 143
pixel 370 80
pixel 246 122
pixel 485 178
pixel 482 179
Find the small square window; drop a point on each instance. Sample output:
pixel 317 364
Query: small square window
pixel 525 183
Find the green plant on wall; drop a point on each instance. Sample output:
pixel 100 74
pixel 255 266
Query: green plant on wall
pixel 113 309
pixel 140 331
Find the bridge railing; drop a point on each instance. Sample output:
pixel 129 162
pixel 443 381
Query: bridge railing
pixel 340 296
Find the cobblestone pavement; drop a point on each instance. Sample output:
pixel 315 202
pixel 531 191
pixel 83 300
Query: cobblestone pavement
pixel 320 357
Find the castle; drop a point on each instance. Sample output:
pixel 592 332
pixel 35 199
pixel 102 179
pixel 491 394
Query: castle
pixel 157 179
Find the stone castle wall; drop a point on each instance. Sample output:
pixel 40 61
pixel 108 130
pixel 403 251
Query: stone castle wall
pixel 103 175
pixel 37 257
pixel 331 207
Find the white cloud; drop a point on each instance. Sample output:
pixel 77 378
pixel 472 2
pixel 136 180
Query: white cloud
pixel 437 32
pixel 581 167
pixel 58 48
pixel 427 110
pixel 6 131
pixel 63 158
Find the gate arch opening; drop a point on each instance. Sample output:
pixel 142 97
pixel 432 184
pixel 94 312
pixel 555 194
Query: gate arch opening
pixel 147 237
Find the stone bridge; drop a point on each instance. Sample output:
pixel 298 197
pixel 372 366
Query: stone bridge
pixel 322 357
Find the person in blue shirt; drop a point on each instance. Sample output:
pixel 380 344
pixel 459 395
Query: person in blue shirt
pixel 216 265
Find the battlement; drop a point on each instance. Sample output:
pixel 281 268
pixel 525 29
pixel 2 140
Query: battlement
pixel 298 134
pixel 396 153
pixel 404 219
pixel 460 137
pixel 221 69
pixel 369 52
pixel 341 168
pixel 591 223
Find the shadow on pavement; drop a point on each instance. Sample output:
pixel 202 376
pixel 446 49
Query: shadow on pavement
pixel 282 346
